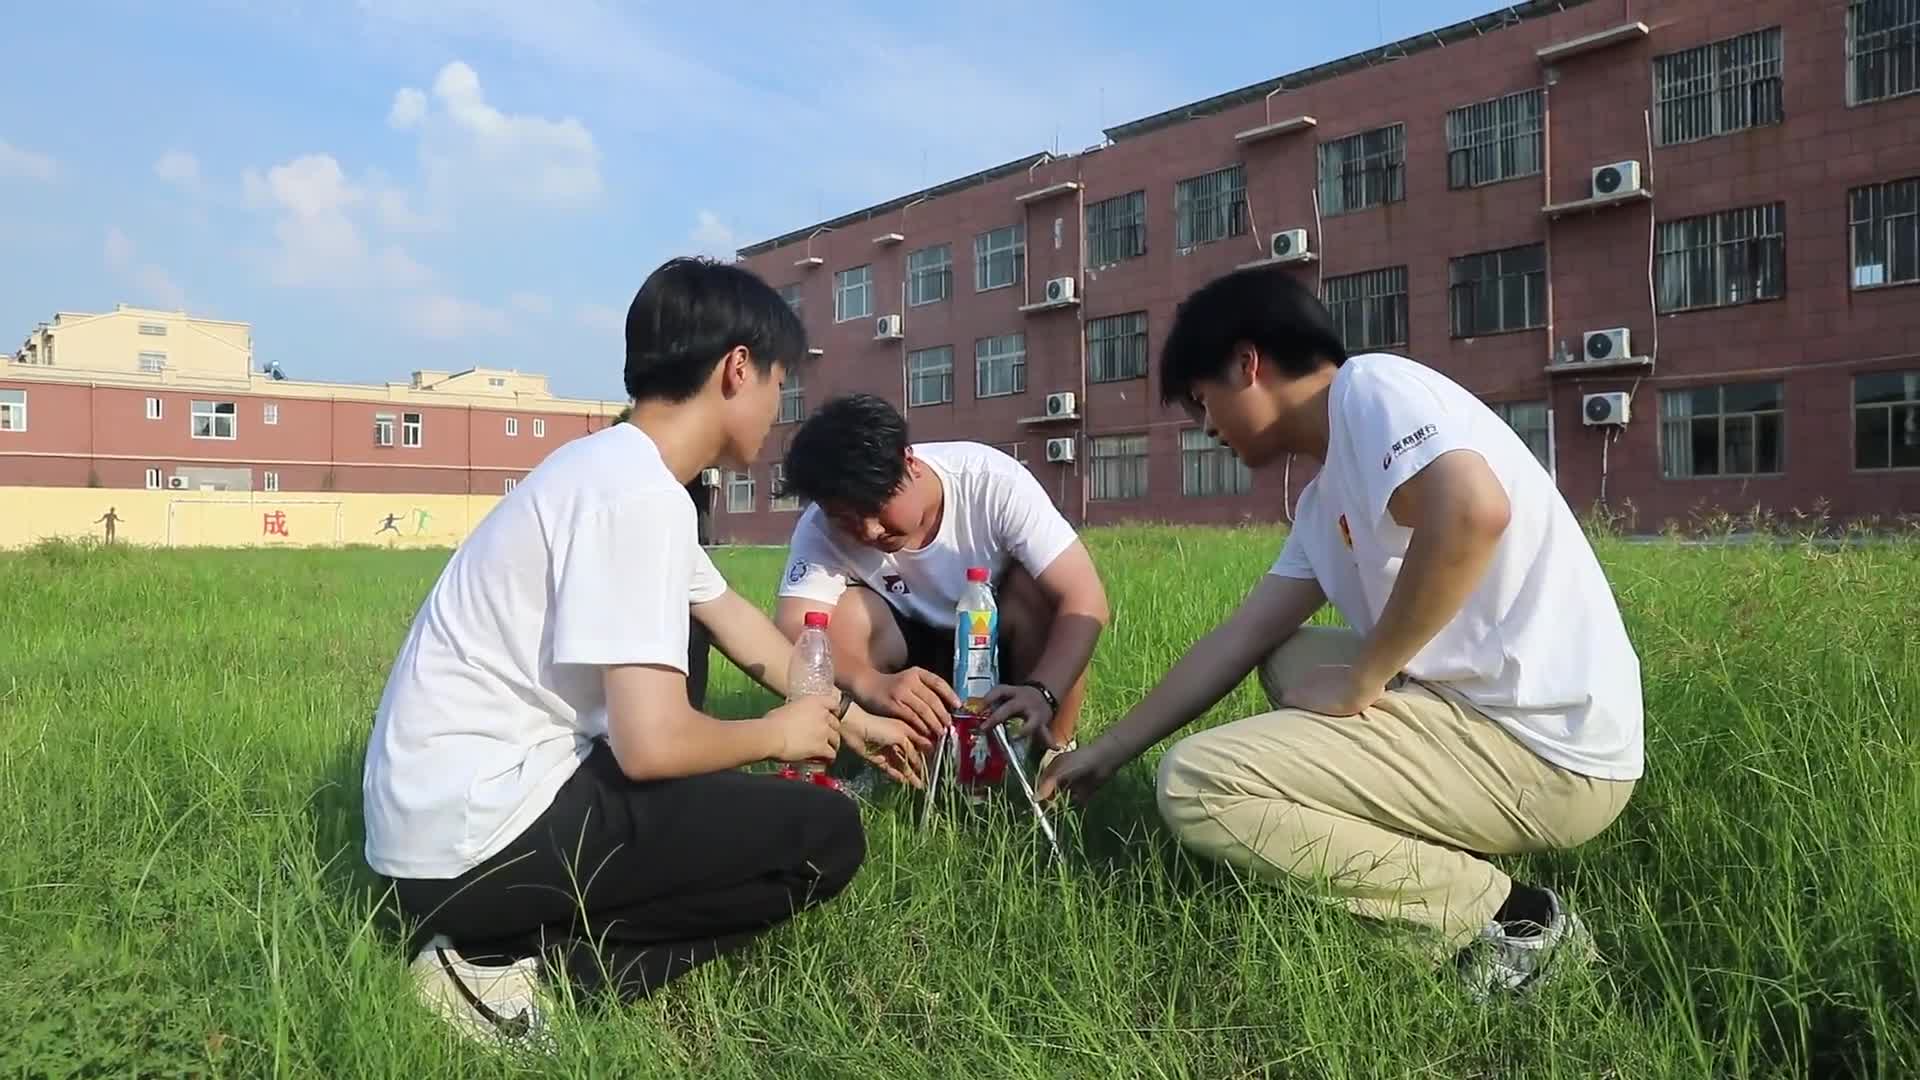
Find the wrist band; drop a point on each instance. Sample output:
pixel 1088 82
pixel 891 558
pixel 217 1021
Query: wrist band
pixel 1053 703
pixel 846 702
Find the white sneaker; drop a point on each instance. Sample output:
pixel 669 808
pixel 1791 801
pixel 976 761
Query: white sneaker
pixel 486 1004
pixel 1500 962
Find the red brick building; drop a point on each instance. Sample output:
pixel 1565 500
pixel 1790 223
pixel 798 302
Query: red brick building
pixel 149 399
pixel 1707 211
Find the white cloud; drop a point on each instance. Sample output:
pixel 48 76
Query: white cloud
pixel 448 318
pixel 26 164
pixel 601 318
pixel 409 108
pixel 179 168
pixel 711 236
pixel 151 285
pixel 320 243
pixel 530 303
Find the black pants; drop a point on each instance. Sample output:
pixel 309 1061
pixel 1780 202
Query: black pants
pixel 627 885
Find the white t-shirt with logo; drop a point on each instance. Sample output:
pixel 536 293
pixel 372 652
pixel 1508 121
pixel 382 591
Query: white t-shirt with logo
pixel 496 696
pixel 996 513
pixel 1539 646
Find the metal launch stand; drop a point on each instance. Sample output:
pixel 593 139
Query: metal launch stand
pixel 945 759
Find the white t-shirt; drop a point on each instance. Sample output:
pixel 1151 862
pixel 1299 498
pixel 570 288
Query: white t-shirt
pixel 1539 646
pixel 496 696
pixel 995 513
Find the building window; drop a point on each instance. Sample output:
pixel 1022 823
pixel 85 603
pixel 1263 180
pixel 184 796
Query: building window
pixel 270 481
pixel 1208 468
pixel 1210 207
pixel 1117 229
pixel 1883 49
pixel 153 329
pixel 153 479
pixel 1886 420
pixel 214 420
pixel 777 497
pixel 740 492
pixel 1000 365
pixel 930 275
pixel 1496 140
pixel 497 382
pixel 1718 88
pixel 1363 170
pixel 1494 292
pixel 998 258
pixel 930 376
pixel 539 428
pixel 853 294
pixel 793 400
pixel 383 429
pixel 1731 430
pixel 1369 308
pixel 153 408
pixel 13 410
pixel 1885 220
pixel 153 363
pixel 1532 421
pixel 1119 467
pixel 411 430
pixel 270 415
pixel 1016 450
pixel 1117 348
pixel 791 294
pixel 1721 259
pixel 508 484
pixel 513 427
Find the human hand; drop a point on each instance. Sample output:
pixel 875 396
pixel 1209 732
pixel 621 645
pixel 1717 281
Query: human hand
pixel 805 730
pixel 916 695
pixel 889 745
pixel 1077 773
pixel 1003 703
pixel 1332 690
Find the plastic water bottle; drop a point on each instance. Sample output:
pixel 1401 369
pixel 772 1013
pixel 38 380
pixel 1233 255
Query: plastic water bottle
pixel 810 674
pixel 978 763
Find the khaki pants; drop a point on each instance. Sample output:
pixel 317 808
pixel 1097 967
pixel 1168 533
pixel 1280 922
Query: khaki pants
pixel 1388 812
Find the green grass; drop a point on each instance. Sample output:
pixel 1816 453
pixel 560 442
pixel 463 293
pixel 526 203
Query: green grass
pixel 181 889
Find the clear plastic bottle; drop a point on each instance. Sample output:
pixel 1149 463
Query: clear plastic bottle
pixel 976 641
pixel 810 674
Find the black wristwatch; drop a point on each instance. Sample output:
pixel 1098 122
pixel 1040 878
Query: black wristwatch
pixel 846 702
pixel 1053 703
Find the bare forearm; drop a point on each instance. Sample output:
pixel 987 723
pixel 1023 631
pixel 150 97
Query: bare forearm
pixel 693 743
pixel 1071 640
pixel 1444 564
pixel 748 638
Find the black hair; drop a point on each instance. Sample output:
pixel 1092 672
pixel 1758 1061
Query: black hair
pixel 851 452
pixel 690 313
pixel 1265 306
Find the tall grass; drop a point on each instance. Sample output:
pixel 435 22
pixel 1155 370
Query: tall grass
pixel 181 889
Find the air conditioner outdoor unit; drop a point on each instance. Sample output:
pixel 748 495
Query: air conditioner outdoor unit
pixel 1604 409
pixel 1614 344
pixel 177 483
pixel 887 327
pixel 710 477
pixel 1617 178
pixel 1060 290
pixel 1060 403
pixel 1060 449
pixel 1288 244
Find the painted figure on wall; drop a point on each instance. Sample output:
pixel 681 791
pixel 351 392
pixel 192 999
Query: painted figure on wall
pixel 110 519
pixel 390 525
pixel 420 519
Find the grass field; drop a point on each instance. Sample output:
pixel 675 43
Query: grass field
pixel 181 889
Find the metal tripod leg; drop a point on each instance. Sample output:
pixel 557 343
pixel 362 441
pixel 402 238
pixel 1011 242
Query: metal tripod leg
pixel 1020 774
pixel 941 761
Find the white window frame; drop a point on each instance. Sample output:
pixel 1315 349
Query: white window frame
pixel 508 484
pixel 497 382
pixel 1208 470
pixel 13 410
pixel 270 414
pixel 152 329
pixel 156 409
pixel 1121 464
pixel 155 481
pixel 794 295
pixel 793 398
pixel 270 481
pixel 513 427
pixel 847 284
pixel 153 362
pixel 776 478
pixel 383 428
pixel 929 275
pixel 1000 366
pixel 1673 420
pixel 539 428
pixel 740 492
pixel 212 412
pixel 413 430
pixel 1508 411
pixel 924 365
pixel 999 257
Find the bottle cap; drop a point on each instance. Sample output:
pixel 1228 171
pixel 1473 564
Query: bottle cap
pixel 816 618
pixel 976 573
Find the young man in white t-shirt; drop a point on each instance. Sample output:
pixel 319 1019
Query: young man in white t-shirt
pixel 1484 698
pixel 538 786
pixel 886 545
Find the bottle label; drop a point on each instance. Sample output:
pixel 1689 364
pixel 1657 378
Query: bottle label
pixel 975 671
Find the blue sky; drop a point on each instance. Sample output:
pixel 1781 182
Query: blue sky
pixel 385 185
